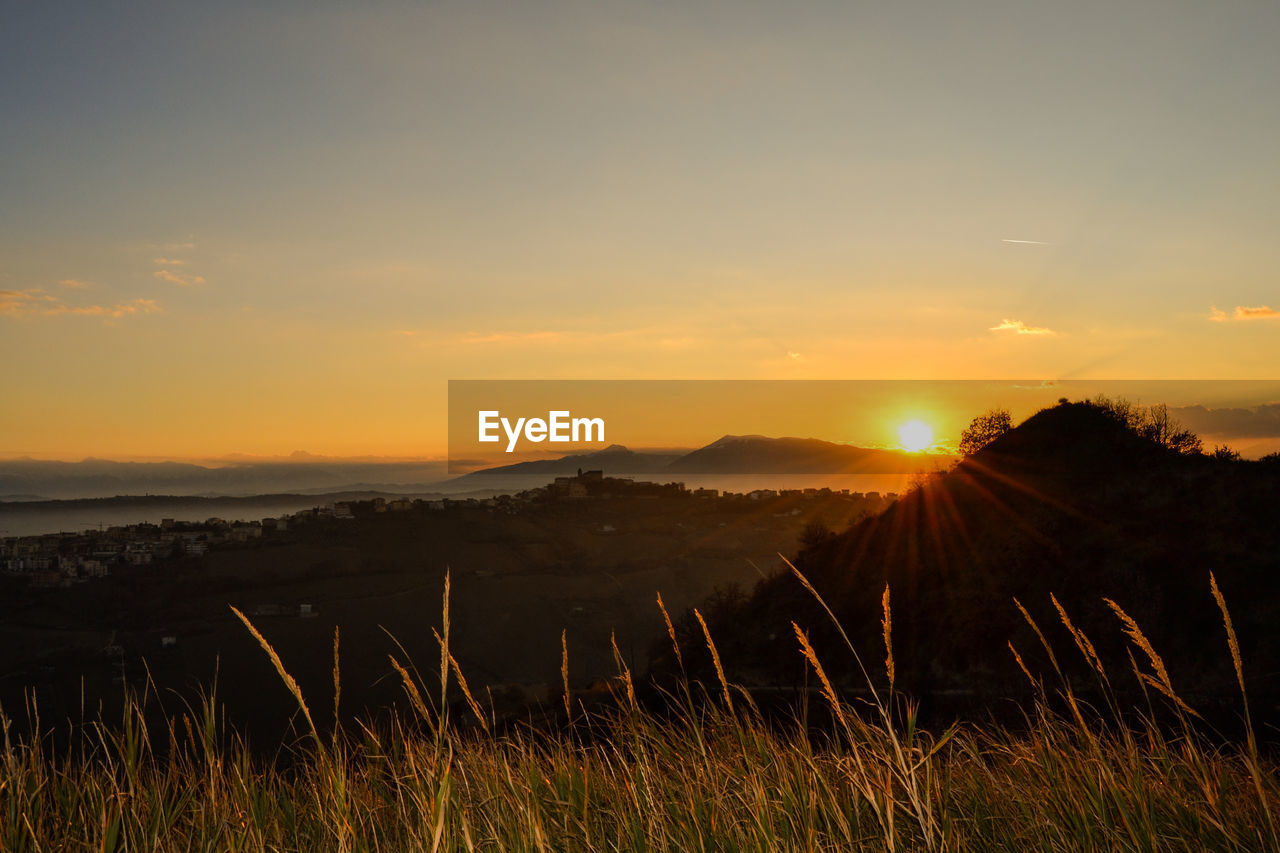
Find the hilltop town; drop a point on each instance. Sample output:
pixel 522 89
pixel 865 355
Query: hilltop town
pixel 583 556
pixel 59 560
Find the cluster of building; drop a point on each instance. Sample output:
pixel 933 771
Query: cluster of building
pixel 769 494
pixel 589 484
pixel 62 559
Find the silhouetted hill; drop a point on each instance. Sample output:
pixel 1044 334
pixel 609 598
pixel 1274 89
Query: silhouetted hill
pixel 1071 503
pixel 615 459
pixel 732 454
pixel 757 454
pixel 1071 439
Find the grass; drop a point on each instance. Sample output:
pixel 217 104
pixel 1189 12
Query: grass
pixel 707 772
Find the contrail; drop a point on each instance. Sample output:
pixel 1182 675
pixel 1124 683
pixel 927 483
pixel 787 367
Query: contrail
pixel 1032 242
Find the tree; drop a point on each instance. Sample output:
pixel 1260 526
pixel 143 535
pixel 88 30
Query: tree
pixel 984 429
pixel 1153 423
pixel 1164 429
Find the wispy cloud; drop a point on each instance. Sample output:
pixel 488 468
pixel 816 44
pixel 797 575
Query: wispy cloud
pixel 123 309
pixel 35 302
pixel 665 337
pixel 510 337
pixel 181 278
pixel 1028 242
pixel 75 283
pixel 169 258
pixel 659 336
pixel 1020 328
pixel 1262 421
pixel 17 303
pixel 1244 312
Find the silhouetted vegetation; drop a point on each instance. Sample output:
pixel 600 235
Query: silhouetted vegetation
pixel 1153 423
pixel 1083 501
pixel 984 429
pixel 704 771
pixel 1089 535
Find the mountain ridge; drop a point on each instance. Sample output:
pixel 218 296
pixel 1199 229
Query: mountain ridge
pixel 1074 504
pixel 735 454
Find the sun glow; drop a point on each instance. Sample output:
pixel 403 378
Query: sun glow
pixel 915 436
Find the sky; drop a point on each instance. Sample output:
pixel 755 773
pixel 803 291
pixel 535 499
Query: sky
pixel 913 415
pixel 261 228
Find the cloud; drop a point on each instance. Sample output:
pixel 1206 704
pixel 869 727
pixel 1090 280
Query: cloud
pixel 1020 328
pixel 123 309
pixel 18 303
pixel 75 283
pixel 658 336
pixel 178 278
pixel 36 303
pixel 1258 422
pixel 168 262
pixel 1028 242
pixel 661 336
pixel 510 337
pixel 1244 312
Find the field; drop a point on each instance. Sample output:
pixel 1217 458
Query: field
pixel 702 771
pixel 590 568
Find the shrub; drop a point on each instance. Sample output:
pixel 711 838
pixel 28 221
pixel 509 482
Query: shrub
pixel 984 429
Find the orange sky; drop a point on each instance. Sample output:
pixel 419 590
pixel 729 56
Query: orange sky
pixel 226 229
pixel 686 414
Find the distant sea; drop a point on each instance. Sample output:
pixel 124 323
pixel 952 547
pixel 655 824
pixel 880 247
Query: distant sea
pixel 28 519
pixel 33 518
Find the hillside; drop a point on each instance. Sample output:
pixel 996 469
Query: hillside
pixel 614 458
pixel 757 454
pixel 730 454
pixel 1071 503
pixel 521 574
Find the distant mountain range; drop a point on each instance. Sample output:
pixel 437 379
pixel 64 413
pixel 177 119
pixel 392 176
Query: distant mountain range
pixel 731 454
pixel 34 479
pixel 757 454
pixel 614 459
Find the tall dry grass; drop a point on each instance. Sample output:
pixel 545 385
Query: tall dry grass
pixel 705 773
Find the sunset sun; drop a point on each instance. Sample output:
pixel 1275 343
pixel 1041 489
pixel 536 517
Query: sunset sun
pixel 915 435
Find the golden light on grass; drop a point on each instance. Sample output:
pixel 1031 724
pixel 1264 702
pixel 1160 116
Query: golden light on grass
pixel 886 627
pixel 915 435
pixel 694 773
pixel 288 679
